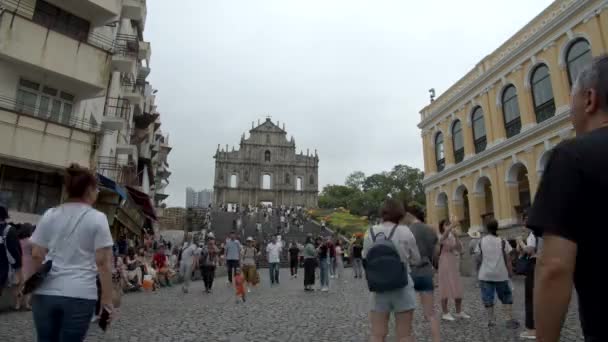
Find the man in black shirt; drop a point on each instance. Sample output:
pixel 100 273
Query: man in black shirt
pixel 569 210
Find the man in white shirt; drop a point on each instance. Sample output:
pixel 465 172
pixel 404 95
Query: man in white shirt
pixel 187 264
pixel 494 274
pixel 273 250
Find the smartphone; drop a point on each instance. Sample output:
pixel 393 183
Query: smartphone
pixel 104 320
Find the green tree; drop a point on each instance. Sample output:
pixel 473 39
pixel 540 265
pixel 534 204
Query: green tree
pixel 355 180
pixel 335 196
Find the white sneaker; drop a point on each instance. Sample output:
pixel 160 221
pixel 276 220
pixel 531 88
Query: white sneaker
pixel 528 336
pixel 462 315
pixel 248 290
pixel 448 317
pixel 324 289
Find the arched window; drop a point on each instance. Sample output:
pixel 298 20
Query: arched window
pixel 542 93
pixel 267 156
pixel 233 181
pixel 268 138
pixel 311 180
pixel 439 152
pixel 299 184
pixel 287 179
pixel 578 56
pixel 458 141
pixel 510 109
pixel 479 130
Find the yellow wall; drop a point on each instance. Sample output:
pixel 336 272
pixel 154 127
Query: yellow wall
pixel 590 22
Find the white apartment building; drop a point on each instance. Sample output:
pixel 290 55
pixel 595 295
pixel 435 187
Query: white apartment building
pixel 73 89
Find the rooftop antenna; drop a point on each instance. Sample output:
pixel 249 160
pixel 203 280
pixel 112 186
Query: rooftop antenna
pixel 252 125
pixel 432 94
pixel 283 126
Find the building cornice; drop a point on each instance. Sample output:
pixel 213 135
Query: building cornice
pixel 459 97
pixel 495 153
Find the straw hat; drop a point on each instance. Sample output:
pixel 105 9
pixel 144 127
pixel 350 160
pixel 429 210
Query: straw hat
pixel 475 234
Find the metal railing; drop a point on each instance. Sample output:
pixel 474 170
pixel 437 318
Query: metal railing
pixel 123 174
pixel 513 127
pixel 126 45
pixel 38 112
pixel 22 7
pixel 118 107
pixel 480 144
pixel 545 111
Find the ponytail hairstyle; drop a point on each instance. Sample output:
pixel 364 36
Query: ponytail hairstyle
pixel 78 180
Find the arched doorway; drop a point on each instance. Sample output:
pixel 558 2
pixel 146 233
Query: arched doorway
pixel 483 189
pixel 442 207
pixel 233 181
pixel 266 181
pixel 461 201
pixel 519 189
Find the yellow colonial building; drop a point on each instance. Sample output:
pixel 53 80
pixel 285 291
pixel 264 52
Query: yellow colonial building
pixel 487 138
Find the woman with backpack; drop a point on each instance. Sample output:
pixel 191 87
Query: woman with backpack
pixel 388 249
pixel 450 284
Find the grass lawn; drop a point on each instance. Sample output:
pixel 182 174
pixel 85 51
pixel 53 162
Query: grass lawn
pixel 341 219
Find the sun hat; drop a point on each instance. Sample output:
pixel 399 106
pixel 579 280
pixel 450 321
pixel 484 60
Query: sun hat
pixel 475 234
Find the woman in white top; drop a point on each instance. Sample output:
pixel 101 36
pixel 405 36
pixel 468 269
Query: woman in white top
pixel 339 259
pixel 401 302
pixel 77 239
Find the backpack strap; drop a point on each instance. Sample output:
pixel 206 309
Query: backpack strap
pixel 371 234
pixel 390 236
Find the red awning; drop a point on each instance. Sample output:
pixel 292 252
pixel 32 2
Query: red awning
pixel 143 200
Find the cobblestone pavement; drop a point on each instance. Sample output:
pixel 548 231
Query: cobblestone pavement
pixel 283 314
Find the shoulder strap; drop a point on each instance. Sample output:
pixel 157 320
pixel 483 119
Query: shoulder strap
pixel 66 237
pixel 371 234
pixel 390 236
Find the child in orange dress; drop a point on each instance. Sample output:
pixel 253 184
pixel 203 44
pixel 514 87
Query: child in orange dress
pixel 239 282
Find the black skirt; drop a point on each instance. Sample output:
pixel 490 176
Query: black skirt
pixel 309 271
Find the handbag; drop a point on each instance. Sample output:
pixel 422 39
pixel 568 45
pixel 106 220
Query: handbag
pixel 34 281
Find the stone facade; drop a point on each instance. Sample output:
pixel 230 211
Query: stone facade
pixel 488 138
pixel 267 169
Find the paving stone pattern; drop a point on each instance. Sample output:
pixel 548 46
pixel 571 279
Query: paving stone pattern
pixel 284 313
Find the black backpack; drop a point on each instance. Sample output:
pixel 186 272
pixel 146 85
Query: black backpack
pixel 384 269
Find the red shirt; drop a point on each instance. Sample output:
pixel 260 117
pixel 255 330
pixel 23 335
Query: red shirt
pixel 160 260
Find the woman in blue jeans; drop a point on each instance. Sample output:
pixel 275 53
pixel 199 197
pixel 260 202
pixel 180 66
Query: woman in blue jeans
pixel 77 239
pixel 324 251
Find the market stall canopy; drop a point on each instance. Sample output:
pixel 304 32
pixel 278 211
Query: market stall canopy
pixel 111 185
pixel 143 200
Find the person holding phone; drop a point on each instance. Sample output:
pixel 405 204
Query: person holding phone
pixel 450 284
pixel 77 238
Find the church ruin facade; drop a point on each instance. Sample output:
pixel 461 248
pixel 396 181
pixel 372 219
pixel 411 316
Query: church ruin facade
pixel 266 170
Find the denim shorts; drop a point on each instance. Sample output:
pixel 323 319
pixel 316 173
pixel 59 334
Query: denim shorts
pixel 401 300
pixel 423 284
pixel 501 288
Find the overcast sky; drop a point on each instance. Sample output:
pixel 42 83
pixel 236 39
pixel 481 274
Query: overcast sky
pixel 347 77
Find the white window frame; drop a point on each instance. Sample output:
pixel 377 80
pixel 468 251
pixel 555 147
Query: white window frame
pixel 43 94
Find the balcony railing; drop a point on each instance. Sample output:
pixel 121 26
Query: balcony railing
pixel 440 165
pixel 545 111
pixel 458 155
pixel 480 144
pixel 22 7
pixel 513 127
pixel 126 45
pixel 118 107
pixel 123 174
pixel 38 112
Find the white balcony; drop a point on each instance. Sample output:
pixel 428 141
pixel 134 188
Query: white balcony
pixel 80 67
pixel 134 10
pixel 36 140
pixel 97 12
pixel 145 50
pixel 127 149
pixel 134 95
